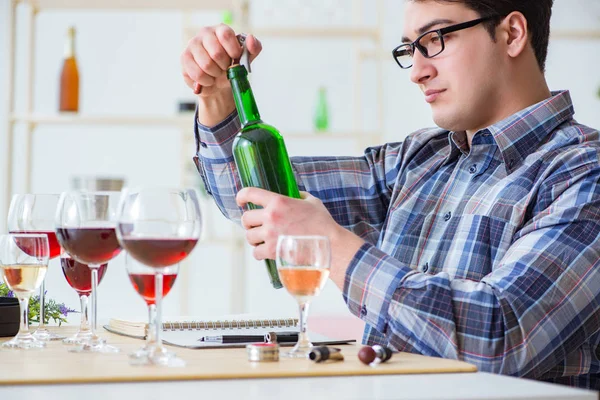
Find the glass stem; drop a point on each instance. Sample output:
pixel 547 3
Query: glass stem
pixel 151 333
pixel 84 326
pixel 42 324
pixel 94 304
pixel 24 307
pixel 158 294
pixel 303 340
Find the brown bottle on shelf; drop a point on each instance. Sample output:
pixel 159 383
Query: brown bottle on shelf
pixel 69 76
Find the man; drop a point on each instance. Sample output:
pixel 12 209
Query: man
pixel 476 240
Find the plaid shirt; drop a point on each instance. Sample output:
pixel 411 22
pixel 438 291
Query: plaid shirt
pixel 488 255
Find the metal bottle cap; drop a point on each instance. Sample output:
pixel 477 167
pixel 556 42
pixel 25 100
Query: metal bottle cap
pixel 263 352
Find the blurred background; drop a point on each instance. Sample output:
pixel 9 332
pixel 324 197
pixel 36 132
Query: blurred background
pixel 320 57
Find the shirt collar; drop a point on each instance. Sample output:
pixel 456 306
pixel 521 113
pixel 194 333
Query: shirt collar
pixel 521 134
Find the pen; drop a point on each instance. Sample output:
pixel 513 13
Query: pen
pixel 282 337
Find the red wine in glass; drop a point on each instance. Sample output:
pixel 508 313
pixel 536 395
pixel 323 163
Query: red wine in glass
pixel 53 244
pixel 159 253
pixel 145 285
pixel 79 275
pixel 92 245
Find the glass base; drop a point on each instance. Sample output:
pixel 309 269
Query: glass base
pixel 95 345
pixel 24 342
pixel 300 350
pixel 45 335
pixel 155 356
pixel 80 338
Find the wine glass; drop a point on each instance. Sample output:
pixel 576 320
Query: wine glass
pixel 85 227
pixel 24 262
pixel 159 228
pixel 303 264
pixel 79 277
pixel 34 213
pixel 143 281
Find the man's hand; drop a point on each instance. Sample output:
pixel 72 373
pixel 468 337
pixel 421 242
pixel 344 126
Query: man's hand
pixel 282 215
pixel 204 63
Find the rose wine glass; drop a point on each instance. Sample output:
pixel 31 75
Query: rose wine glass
pixel 34 213
pixel 143 281
pixel 159 228
pixel 85 228
pixel 24 262
pixel 303 265
pixel 79 277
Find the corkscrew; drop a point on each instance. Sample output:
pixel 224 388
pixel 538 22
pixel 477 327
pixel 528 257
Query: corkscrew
pixel 245 57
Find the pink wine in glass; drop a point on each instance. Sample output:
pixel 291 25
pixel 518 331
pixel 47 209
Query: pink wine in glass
pixel 92 245
pixel 158 253
pixel 79 275
pixel 303 282
pixel 145 285
pixel 52 242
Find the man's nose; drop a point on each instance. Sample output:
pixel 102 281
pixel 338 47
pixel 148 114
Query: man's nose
pixel 422 69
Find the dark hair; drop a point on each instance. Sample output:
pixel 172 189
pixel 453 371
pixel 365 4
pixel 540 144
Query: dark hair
pixel 537 13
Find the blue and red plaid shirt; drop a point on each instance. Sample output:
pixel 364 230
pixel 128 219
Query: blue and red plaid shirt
pixel 488 254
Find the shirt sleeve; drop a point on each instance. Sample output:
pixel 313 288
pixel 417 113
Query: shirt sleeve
pixel 355 190
pixel 530 317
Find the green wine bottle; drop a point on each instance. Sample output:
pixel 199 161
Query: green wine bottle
pixel 321 112
pixel 259 151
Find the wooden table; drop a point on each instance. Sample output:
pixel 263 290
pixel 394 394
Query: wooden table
pixel 226 373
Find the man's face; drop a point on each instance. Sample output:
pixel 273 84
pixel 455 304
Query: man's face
pixel 459 84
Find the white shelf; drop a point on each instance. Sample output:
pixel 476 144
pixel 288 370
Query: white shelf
pixel 119 5
pixel 589 34
pixel 179 120
pixel 335 32
pixel 78 119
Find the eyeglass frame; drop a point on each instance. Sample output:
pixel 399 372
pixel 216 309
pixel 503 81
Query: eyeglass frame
pixel 441 32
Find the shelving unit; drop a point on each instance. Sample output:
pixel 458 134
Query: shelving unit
pixel 31 120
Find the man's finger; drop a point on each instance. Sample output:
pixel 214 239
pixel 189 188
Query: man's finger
pixel 253 218
pixel 256 236
pixel 254 46
pixel 260 252
pixel 257 196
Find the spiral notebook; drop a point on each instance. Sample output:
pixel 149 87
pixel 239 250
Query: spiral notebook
pixel 189 333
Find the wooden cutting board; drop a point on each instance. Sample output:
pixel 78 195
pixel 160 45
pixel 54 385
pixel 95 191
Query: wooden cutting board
pixel 55 364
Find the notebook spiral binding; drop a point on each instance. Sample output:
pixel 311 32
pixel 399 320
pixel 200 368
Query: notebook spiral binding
pixel 240 324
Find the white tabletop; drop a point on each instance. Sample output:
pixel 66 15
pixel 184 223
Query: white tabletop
pixel 462 386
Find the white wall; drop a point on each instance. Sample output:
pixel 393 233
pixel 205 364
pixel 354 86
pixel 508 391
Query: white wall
pixel 129 64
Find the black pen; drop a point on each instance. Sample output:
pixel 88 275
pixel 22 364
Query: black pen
pixel 282 337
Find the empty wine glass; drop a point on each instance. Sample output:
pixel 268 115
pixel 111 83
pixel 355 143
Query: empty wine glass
pixel 85 228
pixel 24 262
pixel 303 264
pixel 143 281
pixel 34 213
pixel 79 277
pixel 159 228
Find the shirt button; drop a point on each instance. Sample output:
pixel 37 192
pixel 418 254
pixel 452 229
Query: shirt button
pixel 203 144
pixel 447 216
pixel 511 163
pixel 473 168
pixel 363 310
pixel 425 267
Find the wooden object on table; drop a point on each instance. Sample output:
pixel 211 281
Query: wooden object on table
pixel 56 365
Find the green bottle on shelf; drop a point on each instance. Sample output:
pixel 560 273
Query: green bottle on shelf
pixel 259 151
pixel 321 112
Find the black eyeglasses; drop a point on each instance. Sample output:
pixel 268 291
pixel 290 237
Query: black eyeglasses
pixel 430 43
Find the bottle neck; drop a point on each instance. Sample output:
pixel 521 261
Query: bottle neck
pixel 69 51
pixel 242 95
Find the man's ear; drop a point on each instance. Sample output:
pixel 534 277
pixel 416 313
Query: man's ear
pixel 515 33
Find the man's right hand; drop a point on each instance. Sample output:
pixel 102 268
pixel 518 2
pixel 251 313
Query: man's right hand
pixel 204 63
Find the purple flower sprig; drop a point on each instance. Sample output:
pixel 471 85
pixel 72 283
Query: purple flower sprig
pixel 52 310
